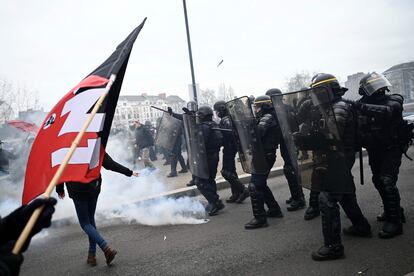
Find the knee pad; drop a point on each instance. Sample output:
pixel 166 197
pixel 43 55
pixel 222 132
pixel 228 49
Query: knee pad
pixel 326 201
pixel 389 184
pixel 252 188
pixel 228 175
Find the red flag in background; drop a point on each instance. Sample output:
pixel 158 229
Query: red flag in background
pixel 66 119
pixel 25 126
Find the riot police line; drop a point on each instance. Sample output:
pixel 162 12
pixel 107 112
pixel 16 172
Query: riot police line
pixel 319 133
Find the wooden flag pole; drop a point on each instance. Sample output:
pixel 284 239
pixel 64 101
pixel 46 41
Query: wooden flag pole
pixel 35 216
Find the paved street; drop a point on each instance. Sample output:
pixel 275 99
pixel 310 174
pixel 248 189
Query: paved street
pixel 223 247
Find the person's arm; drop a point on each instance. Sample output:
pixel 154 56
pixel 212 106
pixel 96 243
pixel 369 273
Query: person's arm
pixel 109 164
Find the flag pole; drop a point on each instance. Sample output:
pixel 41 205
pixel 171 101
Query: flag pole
pixel 35 216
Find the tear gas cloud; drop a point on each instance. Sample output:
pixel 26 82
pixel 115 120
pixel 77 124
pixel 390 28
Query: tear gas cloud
pixel 119 195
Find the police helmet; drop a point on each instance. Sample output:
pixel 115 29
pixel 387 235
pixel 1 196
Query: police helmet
pixel 263 104
pixel 373 82
pixel 273 91
pixel 220 108
pixel 205 113
pixel 330 82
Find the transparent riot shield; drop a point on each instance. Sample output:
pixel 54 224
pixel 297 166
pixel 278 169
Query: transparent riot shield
pixel 196 150
pixel 285 114
pixel 168 131
pixel 311 135
pixel 250 146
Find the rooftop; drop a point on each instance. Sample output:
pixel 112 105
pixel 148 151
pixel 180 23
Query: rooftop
pixel 406 65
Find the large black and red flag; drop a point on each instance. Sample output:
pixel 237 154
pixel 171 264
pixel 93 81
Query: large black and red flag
pixel 65 121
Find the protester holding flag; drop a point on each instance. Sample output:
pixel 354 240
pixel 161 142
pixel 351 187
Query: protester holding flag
pixel 70 144
pixel 85 197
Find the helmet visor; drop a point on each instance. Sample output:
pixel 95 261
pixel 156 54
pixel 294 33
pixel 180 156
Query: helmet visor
pixel 374 83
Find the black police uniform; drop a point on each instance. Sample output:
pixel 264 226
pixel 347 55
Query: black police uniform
pixel 260 193
pixel 212 142
pixel 380 124
pixel 328 201
pixel 238 192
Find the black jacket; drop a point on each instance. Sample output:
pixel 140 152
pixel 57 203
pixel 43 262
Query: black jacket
pixel 380 120
pixel 84 191
pixel 143 137
pixel 269 131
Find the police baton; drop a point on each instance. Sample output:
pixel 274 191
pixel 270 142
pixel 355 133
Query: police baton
pixel 160 109
pixel 361 167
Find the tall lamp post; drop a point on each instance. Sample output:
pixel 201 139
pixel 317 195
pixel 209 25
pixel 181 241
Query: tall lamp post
pixel 190 54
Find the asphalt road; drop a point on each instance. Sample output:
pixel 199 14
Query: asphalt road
pixel 223 247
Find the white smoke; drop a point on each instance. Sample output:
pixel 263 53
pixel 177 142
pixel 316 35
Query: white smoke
pixel 120 194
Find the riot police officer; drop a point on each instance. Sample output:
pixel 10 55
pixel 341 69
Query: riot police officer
pixel 238 192
pixel 212 142
pixel 260 193
pixel 297 200
pixel 341 187
pixel 382 131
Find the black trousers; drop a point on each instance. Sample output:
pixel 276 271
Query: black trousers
pixel 208 187
pixel 331 221
pixel 176 157
pixel 260 193
pixel 385 165
pixel 295 189
pixel 229 173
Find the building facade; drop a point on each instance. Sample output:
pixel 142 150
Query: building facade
pixel 401 77
pixel 138 107
pixel 352 83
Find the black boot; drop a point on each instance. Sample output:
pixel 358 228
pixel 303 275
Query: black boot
pixel 256 223
pixel 274 213
pixel 233 198
pixel 288 201
pixel 328 252
pixel 216 207
pixel 296 204
pixel 383 216
pixel 311 213
pixel 243 196
pixel 390 230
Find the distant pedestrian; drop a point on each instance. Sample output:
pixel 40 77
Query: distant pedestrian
pixel 143 141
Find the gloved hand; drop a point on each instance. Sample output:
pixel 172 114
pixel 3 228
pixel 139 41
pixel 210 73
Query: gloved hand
pixel 187 111
pixel 170 111
pixel 9 262
pixel 15 222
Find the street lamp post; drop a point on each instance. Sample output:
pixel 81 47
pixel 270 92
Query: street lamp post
pixel 190 54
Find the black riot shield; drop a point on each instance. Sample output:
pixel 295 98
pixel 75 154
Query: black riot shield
pixel 309 130
pixel 196 150
pixel 250 146
pixel 168 131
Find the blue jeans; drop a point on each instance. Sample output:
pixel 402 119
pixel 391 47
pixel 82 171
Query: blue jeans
pixel 85 209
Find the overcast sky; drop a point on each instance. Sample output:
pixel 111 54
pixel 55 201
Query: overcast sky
pixel 50 46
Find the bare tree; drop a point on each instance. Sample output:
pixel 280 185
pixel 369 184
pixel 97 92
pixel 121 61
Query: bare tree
pixel 298 81
pixel 225 93
pixel 13 100
pixel 6 100
pixel 207 97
